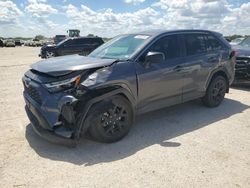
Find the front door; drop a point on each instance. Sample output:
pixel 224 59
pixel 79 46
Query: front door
pixel 160 84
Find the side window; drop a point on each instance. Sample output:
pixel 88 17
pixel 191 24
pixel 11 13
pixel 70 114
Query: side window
pixel 79 41
pixel 213 43
pixel 168 45
pixel 99 41
pixel 195 44
pixel 96 41
pixel 68 42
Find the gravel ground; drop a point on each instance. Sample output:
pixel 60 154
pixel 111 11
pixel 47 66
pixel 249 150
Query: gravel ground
pixel 187 145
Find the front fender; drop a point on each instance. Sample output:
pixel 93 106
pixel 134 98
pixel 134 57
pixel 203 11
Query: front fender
pixel 97 96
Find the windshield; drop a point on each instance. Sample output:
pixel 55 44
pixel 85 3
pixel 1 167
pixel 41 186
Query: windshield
pixel 245 42
pixel 121 47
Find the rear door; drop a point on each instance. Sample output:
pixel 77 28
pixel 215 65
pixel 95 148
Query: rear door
pixel 160 84
pixel 196 65
pixel 79 45
pixel 89 44
pixel 204 52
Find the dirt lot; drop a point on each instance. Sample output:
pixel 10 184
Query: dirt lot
pixel 183 146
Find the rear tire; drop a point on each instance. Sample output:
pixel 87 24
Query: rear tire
pixel 215 92
pixel 110 120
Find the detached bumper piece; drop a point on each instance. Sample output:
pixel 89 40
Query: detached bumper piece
pixel 59 135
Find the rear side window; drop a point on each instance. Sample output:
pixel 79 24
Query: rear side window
pixel 81 41
pixel 97 41
pixel 195 44
pixel 213 43
pixel 168 45
pixel 94 41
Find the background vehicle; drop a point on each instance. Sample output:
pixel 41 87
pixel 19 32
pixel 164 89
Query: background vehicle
pixel 242 67
pixel 1 43
pixel 74 33
pixel 10 43
pixel 59 38
pixel 37 43
pixel 236 41
pixel 80 45
pixel 130 74
pixel 18 42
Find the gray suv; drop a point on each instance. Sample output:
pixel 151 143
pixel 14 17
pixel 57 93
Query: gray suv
pixel 131 74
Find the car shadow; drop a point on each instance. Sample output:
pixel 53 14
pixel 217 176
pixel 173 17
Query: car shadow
pixel 157 127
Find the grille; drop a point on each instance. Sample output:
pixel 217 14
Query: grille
pixel 242 67
pixel 242 62
pixel 33 93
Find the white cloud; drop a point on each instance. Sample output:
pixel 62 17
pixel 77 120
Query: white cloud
pixel 164 14
pixel 217 15
pixel 135 2
pixel 108 23
pixel 200 13
pixel 238 20
pixel 37 1
pixel 38 9
pixel 9 12
pixel 41 11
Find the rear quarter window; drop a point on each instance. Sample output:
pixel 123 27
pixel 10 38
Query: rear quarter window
pixel 95 41
pixel 214 44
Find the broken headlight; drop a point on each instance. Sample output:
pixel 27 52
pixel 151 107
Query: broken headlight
pixel 97 77
pixel 63 85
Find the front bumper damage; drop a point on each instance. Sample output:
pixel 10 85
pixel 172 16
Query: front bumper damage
pixel 59 132
pixel 52 115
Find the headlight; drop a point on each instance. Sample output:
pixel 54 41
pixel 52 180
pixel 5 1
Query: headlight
pixel 97 77
pixel 64 84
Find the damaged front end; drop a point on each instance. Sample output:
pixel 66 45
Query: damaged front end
pixel 57 93
pixel 52 114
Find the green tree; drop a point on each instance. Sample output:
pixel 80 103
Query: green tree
pixel 90 35
pixel 39 37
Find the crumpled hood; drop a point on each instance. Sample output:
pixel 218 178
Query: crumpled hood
pixel 63 65
pixel 242 51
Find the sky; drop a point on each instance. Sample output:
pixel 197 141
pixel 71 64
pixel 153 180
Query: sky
pixel 107 18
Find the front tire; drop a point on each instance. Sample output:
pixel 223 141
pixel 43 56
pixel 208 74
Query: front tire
pixel 215 92
pixel 49 54
pixel 110 120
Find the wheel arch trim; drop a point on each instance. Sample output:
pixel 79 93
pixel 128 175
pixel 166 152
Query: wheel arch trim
pixel 81 127
pixel 219 71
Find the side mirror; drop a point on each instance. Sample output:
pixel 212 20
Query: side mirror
pixel 154 57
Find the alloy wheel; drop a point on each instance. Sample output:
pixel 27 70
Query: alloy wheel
pixel 114 120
